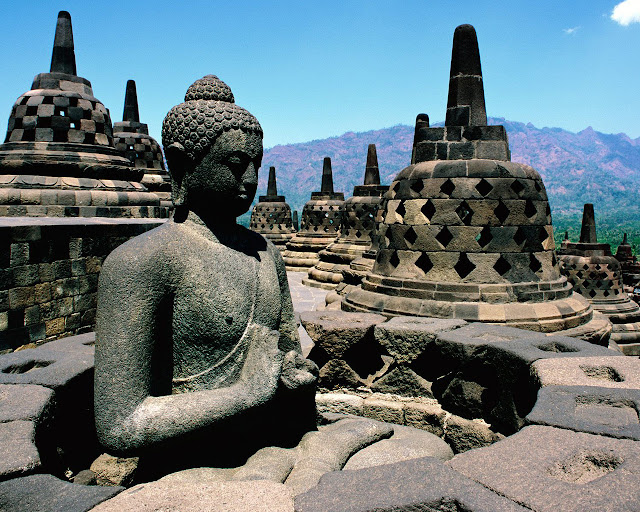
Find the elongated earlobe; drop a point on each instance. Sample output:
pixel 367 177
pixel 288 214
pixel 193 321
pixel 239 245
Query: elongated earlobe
pixel 178 163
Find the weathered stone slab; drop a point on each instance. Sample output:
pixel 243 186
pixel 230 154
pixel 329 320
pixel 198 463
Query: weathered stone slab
pixel 604 411
pixel 550 469
pixel 406 443
pixel 606 372
pixel 18 452
pixel 463 434
pixel 405 338
pixel 46 493
pixel 25 402
pixel 257 495
pixel 418 484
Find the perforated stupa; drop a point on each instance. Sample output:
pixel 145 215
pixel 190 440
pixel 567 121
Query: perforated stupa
pixel 466 232
pixel 320 224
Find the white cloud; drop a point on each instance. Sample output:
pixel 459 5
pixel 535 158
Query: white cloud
pixel 626 12
pixel 570 31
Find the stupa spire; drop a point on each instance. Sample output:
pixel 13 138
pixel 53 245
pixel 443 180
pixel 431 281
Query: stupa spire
pixel 588 231
pixel 272 187
pixel 327 177
pixel 422 122
pixel 465 105
pixel 63 58
pixel 372 172
pixel 131 112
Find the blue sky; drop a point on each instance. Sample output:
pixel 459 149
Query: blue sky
pixel 310 70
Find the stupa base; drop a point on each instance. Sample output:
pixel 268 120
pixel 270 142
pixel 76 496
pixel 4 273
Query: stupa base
pixel 571 316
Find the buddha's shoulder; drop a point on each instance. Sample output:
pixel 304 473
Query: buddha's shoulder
pixel 156 247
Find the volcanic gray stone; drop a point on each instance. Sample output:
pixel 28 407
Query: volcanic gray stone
pixel 550 469
pixel 212 351
pixel 403 381
pixel 258 496
pixel 406 443
pixel 25 402
pixel 606 372
pixel 46 493
pixel 18 452
pixel 463 434
pixel 418 484
pixel 603 411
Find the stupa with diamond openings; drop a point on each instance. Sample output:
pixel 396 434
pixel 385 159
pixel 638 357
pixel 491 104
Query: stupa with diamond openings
pixel 271 216
pixel 319 226
pixel 358 224
pixel 466 233
pixel 597 276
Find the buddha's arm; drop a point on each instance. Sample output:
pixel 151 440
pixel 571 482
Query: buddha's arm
pixel 289 338
pixel 133 404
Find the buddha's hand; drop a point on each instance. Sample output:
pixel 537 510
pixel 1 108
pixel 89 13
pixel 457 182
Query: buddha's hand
pixel 263 365
pixel 297 371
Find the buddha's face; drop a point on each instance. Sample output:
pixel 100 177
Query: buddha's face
pixel 225 180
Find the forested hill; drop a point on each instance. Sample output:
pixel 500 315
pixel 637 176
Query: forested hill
pixel 576 167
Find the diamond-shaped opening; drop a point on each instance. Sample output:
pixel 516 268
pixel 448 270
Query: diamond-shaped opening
pixel 517 187
pixel 428 209
pixel 464 267
pixel 358 234
pixel 394 261
pixel 400 210
pixel 548 210
pixel 484 187
pixel 534 263
pixel 530 209
pixel 417 186
pixel 484 237
pixel 465 213
pixel 424 263
pixel 364 357
pixel 411 236
pixel 592 275
pixel 585 267
pixel 444 236
pixel 606 293
pixel 592 293
pixel 501 212
pixel 519 236
pixel 502 266
pixel 447 187
pixel 319 356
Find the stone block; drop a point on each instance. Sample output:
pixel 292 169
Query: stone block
pixel 196 496
pixel 604 411
pixel 550 469
pixel 418 484
pixel 425 416
pixel 116 471
pixel 405 338
pixel 463 434
pixel 46 493
pixel 406 443
pixel 403 381
pixel 606 372
pixel 18 452
pixel 384 410
pixel 339 403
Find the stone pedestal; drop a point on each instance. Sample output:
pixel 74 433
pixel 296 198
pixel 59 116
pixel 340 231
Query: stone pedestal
pixel 358 226
pixel 271 217
pixel 466 233
pixel 320 225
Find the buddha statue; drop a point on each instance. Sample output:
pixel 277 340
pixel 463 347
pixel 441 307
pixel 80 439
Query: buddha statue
pixel 198 359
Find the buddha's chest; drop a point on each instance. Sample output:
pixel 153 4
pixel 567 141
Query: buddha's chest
pixel 220 293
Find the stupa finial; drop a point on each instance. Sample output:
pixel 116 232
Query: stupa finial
pixel 327 176
pixel 372 173
pixel 272 187
pixel 422 122
pixel 131 103
pixel 588 231
pixel 63 58
pixel 624 240
pixel 465 106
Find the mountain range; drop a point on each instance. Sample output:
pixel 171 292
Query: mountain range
pixel 577 168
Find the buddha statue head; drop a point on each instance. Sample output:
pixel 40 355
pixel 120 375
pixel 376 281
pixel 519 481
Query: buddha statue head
pixel 214 150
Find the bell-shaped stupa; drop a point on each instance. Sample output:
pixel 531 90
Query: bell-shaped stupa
pixel 356 231
pixel 320 224
pixel 597 276
pixel 628 262
pixel 467 233
pixel 132 139
pixel 271 216
pixel 59 158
